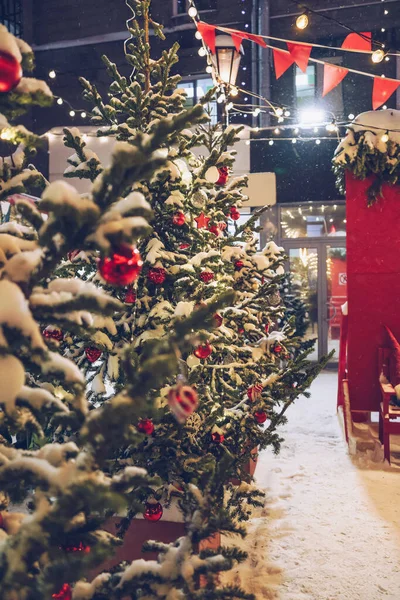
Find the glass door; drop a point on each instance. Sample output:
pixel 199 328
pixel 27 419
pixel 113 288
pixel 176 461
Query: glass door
pixel 318 277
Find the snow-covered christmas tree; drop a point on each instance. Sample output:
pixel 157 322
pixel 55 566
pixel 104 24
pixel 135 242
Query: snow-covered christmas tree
pixel 188 361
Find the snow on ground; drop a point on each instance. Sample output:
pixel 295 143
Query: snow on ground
pixel 330 528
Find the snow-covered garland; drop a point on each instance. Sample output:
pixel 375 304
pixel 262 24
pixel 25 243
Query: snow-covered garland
pixel 371 147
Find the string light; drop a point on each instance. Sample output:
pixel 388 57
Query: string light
pixel 296 130
pixel 209 69
pixel 83 115
pixel 202 51
pixel 192 12
pixel 302 21
pixel 294 141
pixel 377 56
pixel 59 101
pixel 271 142
pixel 351 116
pixel 52 74
pixel 318 142
pixel 256 112
pixel 233 91
pixel 277 131
pixel 72 113
pixel 287 113
pixel 279 112
pixel 385 137
pixel 198 35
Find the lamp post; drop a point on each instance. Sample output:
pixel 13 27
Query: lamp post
pixel 226 62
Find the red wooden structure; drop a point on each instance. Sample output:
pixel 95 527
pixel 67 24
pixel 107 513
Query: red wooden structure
pixel 388 414
pixel 373 285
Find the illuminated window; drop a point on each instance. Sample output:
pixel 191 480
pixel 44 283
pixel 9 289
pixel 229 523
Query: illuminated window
pixel 305 85
pixel 195 90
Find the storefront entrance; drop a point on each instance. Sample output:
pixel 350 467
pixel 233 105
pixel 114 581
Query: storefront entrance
pixel 314 240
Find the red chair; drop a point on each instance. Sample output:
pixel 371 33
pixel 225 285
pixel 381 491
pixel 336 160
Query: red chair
pixel 388 414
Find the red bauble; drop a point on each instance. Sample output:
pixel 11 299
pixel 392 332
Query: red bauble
pixel 240 330
pixel 183 401
pixel 64 594
pixel 122 267
pixel 203 351
pixel 157 275
pixel 260 416
pixel 239 264
pixel 206 276
pixel 179 219
pixel 217 437
pixel 184 246
pixel 130 296
pixel 10 72
pixel 52 333
pixel 154 511
pixel 223 175
pixel 278 349
pixel 72 254
pixel 146 426
pixel 215 230
pixel 254 392
pixel 93 353
pixel 218 320
pixel 234 213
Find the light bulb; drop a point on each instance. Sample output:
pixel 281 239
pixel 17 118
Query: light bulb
pixel 221 98
pixel 385 138
pixel 192 12
pixel 209 69
pixel 287 113
pixel 52 74
pixel 59 101
pixel 377 56
pixel 83 115
pixel 280 120
pixel 198 35
pixel 351 116
pixel 318 142
pixel 271 142
pixel 279 112
pixel 385 12
pixel 383 29
pixel 331 127
pixel 294 141
pixel 277 131
pixel 256 112
pixel 384 107
pixel 229 106
pixel 202 51
pixel 296 130
pixel 387 58
pixel 233 91
pixel 71 113
pixel 302 21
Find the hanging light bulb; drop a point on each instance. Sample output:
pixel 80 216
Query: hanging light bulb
pixel 280 120
pixel 277 130
pixel 202 51
pixel 377 56
pixel 229 106
pixel 59 101
pixel 331 126
pixel 256 112
pixel 351 116
pixel 318 142
pixel 71 113
pixel 385 137
pixel 279 112
pixel 233 91
pixel 294 141
pixel 192 12
pixel 198 35
pixel 302 21
pixel 221 98
pixel 209 69
pixel 287 113
pixel 296 130
pixel 52 74
pixel 271 142
pixel 83 115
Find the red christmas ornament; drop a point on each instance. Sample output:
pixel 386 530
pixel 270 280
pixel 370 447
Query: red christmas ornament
pixel 10 72
pixel 72 254
pixel 93 353
pixel 146 426
pixel 215 230
pixel 52 333
pixel 202 221
pixel 240 330
pixel 278 349
pixel 157 275
pixel 122 267
pixel 266 328
pixel 183 246
pixel 182 401
pixel 154 511
pixel 206 276
pixel 223 175
pixel 130 296
pixel 234 213
pixel 239 264
pixel 218 320
pixel 179 219
pixel 254 392
pixel 217 437
pixel 64 594
pixel 260 416
pixel 203 351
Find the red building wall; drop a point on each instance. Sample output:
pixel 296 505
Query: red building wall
pixel 373 271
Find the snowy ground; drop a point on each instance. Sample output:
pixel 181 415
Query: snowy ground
pixel 330 529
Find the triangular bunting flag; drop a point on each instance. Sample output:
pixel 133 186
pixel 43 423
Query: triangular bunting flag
pixel 300 54
pixel 282 61
pixel 208 34
pixel 237 39
pixel 333 75
pixel 383 89
pixel 257 39
pixel 355 41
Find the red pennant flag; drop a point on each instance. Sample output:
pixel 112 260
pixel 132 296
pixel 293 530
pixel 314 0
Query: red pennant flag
pixel 237 39
pixel 333 75
pixel 208 34
pixel 383 89
pixel 300 54
pixel 257 39
pixel 354 41
pixel 282 61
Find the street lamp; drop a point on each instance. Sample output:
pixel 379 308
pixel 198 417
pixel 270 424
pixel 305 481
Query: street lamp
pixel 226 62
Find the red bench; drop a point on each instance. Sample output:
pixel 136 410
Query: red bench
pixel 388 414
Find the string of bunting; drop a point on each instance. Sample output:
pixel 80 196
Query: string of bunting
pixel 299 53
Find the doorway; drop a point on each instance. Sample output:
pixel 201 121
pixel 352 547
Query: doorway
pixel 318 276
